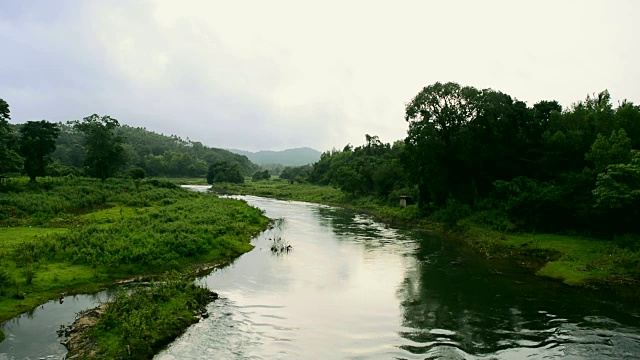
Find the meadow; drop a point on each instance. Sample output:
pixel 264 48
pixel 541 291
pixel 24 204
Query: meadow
pixel 139 321
pixel 81 235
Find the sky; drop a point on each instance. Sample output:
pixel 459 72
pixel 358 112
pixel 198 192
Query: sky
pixel 259 75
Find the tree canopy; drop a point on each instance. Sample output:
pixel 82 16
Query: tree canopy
pixel 539 167
pixel 37 143
pixel 104 151
pixel 9 158
pixel 224 172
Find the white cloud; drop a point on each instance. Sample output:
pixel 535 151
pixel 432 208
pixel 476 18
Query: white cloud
pixel 279 74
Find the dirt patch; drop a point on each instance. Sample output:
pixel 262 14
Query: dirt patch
pixel 77 341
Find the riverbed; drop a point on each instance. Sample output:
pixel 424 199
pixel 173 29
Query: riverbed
pixel 351 287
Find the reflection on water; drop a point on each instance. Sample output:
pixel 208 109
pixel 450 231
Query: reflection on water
pixel 33 335
pixel 354 288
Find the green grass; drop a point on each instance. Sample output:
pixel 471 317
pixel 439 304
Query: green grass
pixel 575 260
pixel 281 189
pixel 138 323
pixel 112 214
pixel 189 181
pixel 12 235
pixel 80 235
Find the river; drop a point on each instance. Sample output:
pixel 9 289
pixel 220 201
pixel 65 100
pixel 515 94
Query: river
pixel 351 287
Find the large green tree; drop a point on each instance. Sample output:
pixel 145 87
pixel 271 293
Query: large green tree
pixel 224 171
pixel 105 154
pixel 438 139
pixel 9 158
pixel 37 143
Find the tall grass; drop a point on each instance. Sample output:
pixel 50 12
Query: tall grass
pixel 138 322
pixel 110 230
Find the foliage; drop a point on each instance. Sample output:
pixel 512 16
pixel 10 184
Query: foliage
pixel 10 161
pixel 370 169
pixel 139 322
pixel 137 173
pixel 261 175
pixel 157 154
pixel 224 172
pixel 90 232
pixel 104 152
pixel 37 142
pixel 613 150
pixel 291 173
pixel 450 215
pixel 5 280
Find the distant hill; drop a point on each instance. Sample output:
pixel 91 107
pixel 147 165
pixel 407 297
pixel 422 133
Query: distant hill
pixel 158 154
pixel 289 157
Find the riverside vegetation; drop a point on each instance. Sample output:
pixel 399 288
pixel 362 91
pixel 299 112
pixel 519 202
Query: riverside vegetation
pixel 561 185
pixel 572 258
pixel 80 235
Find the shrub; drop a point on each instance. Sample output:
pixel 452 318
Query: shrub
pixel 451 214
pixel 137 173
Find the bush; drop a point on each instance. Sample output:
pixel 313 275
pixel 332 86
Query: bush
pixel 495 219
pixel 138 323
pixel 5 279
pixel 261 175
pixel 451 214
pixel 137 173
pixel 628 241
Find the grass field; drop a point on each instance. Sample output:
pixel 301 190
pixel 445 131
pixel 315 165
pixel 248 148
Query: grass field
pixel 80 235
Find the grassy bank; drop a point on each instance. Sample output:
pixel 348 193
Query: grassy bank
pixel 281 189
pixel 572 259
pixel 80 235
pixel 138 322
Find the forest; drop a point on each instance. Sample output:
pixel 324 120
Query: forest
pixel 514 166
pixel 537 167
pixel 67 149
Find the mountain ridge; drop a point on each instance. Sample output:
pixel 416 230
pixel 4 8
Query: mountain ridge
pixel 288 157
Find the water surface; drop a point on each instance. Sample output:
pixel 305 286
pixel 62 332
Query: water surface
pixel 354 288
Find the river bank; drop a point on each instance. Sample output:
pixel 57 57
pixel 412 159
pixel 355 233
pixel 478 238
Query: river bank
pixel 572 259
pixel 68 236
pixel 139 321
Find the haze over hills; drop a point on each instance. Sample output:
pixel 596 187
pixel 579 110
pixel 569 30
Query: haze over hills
pixel 289 157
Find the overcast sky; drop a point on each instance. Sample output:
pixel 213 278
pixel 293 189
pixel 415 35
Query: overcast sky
pixel 280 74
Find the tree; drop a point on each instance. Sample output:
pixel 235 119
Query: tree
pixel 619 185
pixel 37 143
pixel 9 158
pixel 437 139
pixel 105 154
pixel 293 173
pixel 224 172
pixel 261 175
pixel 348 180
pixel 605 151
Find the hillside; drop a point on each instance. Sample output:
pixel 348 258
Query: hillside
pixel 289 157
pixel 158 154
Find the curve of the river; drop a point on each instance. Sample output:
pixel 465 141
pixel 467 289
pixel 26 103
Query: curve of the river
pixel 354 288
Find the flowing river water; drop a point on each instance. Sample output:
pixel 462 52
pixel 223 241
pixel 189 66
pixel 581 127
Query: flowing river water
pixel 354 288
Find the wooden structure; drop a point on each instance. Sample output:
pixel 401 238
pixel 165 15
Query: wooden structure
pixel 405 200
